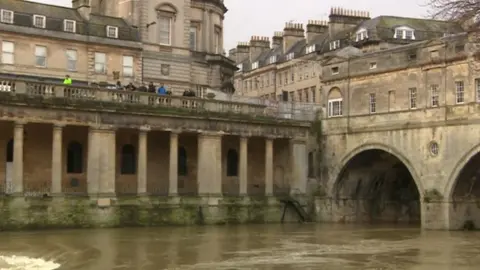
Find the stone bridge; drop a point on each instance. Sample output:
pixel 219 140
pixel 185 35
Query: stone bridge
pixel 408 166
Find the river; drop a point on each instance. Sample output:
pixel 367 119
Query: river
pixel 293 246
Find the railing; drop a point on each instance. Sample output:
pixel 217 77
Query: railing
pixel 265 108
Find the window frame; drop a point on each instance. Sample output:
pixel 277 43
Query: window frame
pixel 335 70
pixel 195 38
pixel 272 59
pixel 97 62
pixel 459 92
pixel 290 56
pixel 69 60
pixel 412 96
pixel 74 26
pixel 12 53
pixel 2 18
pixel 404 30
pixel 255 65
pixel 170 27
pixel 335 44
pixel 110 27
pixel 129 75
pixel 44 21
pixel 45 56
pixel 372 103
pixel 330 108
pixel 434 96
pixel 361 34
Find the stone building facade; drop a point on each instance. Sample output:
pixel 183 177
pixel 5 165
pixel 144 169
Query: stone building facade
pixel 182 41
pixel 47 42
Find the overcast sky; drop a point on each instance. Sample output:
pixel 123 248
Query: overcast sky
pixel 262 17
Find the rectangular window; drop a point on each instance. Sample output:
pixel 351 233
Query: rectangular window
pixel 8 52
pixel 373 65
pixel 128 66
pixel 40 56
pixel 477 85
pixel 292 76
pixel 373 103
pixel 69 26
pixel 460 92
pixel 314 96
pixel 335 107
pixel 6 16
pixel 193 38
pixel 112 31
pixel 165 30
pixel 399 33
pixel 413 98
pixel 408 34
pixel 300 95
pixel 100 63
pixel 255 65
pixel 71 60
pixel 216 42
pixel 334 45
pixel 39 21
pixel 306 95
pixel 434 95
pixel 335 70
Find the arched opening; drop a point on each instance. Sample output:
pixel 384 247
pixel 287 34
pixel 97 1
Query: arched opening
pixel 9 167
pixel 232 162
pixel 311 167
pixel 378 188
pixel 74 157
pixel 9 152
pixel 335 102
pixel 128 164
pixel 182 161
pixel 467 184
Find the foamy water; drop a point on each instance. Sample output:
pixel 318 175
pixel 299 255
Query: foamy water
pixel 26 263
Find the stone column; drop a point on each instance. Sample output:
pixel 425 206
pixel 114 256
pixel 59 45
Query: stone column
pixel 57 147
pixel 206 31
pixel 142 161
pixel 299 163
pixel 18 158
pixel 209 169
pixel 269 166
pixel 101 163
pixel 173 164
pixel 243 167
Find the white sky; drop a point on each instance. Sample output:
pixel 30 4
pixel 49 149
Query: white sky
pixel 246 18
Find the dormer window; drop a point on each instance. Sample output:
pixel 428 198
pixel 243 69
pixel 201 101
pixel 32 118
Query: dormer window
pixel 335 70
pixel 69 26
pixel 311 49
pixel 361 34
pixel 6 16
pixel 255 65
pixel 240 67
pixel 290 56
pixel 112 31
pixel 272 59
pixel 39 21
pixel 334 45
pixel 404 32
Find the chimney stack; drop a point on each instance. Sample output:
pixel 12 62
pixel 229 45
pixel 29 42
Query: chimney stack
pixel 277 39
pixel 83 7
pixel 341 19
pixel 292 33
pixel 257 46
pixel 243 52
pixel 316 28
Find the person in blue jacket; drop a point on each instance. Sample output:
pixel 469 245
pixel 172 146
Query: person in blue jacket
pixel 162 90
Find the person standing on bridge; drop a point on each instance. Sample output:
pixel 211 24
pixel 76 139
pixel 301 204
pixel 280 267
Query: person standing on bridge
pixel 67 80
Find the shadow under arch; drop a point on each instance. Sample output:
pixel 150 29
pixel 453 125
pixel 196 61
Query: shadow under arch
pixel 459 169
pixel 374 146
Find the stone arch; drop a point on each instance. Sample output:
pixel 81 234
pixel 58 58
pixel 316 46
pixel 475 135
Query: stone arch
pixel 335 102
pixel 334 93
pixel 457 171
pixel 378 184
pixel 166 7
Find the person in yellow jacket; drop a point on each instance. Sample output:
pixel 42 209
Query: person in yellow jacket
pixel 67 80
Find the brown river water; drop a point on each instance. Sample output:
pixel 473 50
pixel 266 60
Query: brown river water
pixel 282 247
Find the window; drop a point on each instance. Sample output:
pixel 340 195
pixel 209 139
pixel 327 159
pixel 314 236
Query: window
pixel 240 67
pixel 292 76
pixel 128 164
pixel 373 65
pixel 39 21
pixel 361 34
pixel 373 103
pixel 6 16
pixel 9 154
pixel 477 85
pixel 312 89
pixel 255 65
pixel 434 95
pixel 182 161
pixel 40 56
pixel 74 157
pixel 290 56
pixel 460 92
pixel 193 38
pixel 335 107
pixel 335 70
pixel 232 163
pixel 334 45
pixel 311 167
pixel 216 42
pixel 273 59
pixel 69 26
pixel 404 33
pixel 310 49
pixel 8 52
pixel 128 66
pixel 112 31
pixel 165 30
pixel 413 98
pixel 100 63
pixel 71 60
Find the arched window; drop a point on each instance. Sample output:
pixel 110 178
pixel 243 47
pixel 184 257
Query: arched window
pixel 335 103
pixel 311 167
pixel 129 165
pixel 74 157
pixel 182 161
pixel 166 15
pixel 9 152
pixel 232 163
